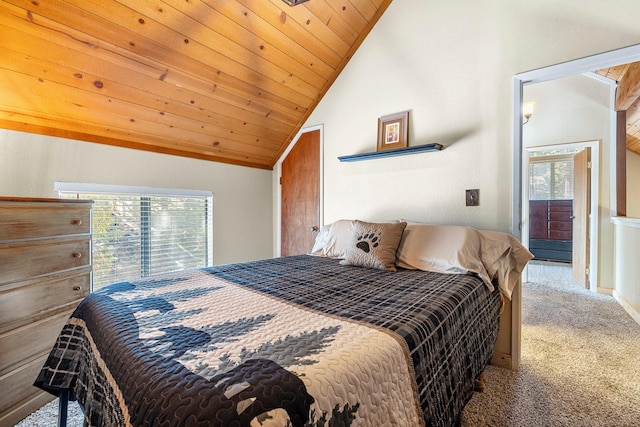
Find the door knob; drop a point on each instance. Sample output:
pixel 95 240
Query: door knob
pixel 314 229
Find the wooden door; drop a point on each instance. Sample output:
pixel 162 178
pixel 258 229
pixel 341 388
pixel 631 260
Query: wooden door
pixel 300 185
pixel 581 214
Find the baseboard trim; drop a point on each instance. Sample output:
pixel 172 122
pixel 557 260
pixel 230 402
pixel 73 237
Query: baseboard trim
pixel 605 291
pixel 627 307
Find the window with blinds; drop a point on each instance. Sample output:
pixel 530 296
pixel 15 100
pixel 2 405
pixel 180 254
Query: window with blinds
pixel 141 232
pixel 551 178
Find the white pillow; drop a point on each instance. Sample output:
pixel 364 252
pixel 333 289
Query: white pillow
pixel 321 240
pixel 333 239
pixel 449 249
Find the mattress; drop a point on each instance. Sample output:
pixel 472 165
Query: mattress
pixel 300 341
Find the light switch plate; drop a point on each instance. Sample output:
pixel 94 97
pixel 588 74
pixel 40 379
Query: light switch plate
pixel 473 197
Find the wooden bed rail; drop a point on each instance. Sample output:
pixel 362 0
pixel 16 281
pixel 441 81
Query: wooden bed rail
pixel 506 352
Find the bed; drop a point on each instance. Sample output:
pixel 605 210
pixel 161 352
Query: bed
pixel 395 334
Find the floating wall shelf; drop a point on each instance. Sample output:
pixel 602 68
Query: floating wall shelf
pixel 390 153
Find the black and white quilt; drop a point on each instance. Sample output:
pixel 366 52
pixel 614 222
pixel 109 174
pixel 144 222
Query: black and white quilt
pixel 294 341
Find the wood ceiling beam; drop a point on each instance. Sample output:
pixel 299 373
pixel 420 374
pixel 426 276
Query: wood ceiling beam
pixel 633 143
pixel 629 87
pixel 633 126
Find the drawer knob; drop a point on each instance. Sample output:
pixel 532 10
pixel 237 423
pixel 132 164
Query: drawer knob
pixel 76 222
pixel 77 254
pixel 77 288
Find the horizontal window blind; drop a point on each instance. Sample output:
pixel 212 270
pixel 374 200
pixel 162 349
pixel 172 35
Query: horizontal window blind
pixel 551 179
pixel 140 234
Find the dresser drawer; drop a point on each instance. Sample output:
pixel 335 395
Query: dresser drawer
pixel 28 301
pixel 22 345
pixel 19 411
pixel 18 388
pixel 45 271
pixel 31 220
pixel 22 260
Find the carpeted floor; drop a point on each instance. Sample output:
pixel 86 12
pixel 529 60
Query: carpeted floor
pixel 47 416
pixel 580 364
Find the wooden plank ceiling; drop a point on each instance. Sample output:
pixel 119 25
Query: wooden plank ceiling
pixel 628 98
pixel 223 80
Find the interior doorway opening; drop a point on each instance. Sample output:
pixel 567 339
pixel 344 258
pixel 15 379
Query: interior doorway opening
pixel 551 205
pixel 580 250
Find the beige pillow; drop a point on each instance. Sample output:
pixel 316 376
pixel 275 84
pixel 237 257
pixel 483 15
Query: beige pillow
pixel 505 258
pixel 451 249
pixel 374 245
pixel 457 249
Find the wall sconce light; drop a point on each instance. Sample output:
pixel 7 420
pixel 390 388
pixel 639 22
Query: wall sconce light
pixel 294 2
pixel 527 111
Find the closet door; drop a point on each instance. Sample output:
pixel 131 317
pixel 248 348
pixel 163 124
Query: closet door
pixel 300 185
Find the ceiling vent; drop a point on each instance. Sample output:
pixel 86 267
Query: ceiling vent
pixel 294 2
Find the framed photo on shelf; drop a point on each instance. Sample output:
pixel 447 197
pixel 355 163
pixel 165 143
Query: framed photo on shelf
pixel 393 131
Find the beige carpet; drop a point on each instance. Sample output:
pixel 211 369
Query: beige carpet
pixel 580 364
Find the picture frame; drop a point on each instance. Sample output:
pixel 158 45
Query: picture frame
pixel 393 130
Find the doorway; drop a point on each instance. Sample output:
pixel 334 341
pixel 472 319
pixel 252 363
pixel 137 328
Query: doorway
pixel 299 190
pixel 571 68
pixel 559 197
pixel 520 210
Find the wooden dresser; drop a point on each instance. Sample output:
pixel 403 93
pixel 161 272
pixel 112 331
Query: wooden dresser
pixel 550 229
pixel 45 270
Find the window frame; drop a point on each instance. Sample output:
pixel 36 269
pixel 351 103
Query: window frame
pixel 146 193
pixel 552 160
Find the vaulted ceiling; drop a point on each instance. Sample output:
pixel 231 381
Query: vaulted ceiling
pixel 628 98
pixel 224 80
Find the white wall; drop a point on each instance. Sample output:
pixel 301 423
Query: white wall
pixel 451 64
pixel 627 253
pixel 633 184
pixel 242 198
